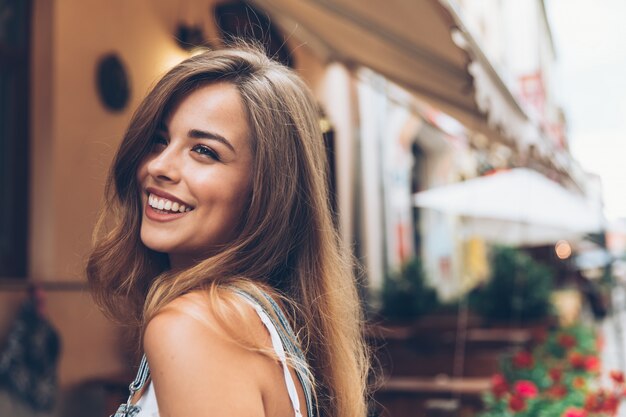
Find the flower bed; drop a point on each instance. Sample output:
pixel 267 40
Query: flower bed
pixel 560 377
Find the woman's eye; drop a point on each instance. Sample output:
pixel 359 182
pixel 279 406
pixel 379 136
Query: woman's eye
pixel 206 151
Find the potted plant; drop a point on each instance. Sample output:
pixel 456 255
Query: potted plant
pixel 558 378
pixel 518 289
pixel 406 295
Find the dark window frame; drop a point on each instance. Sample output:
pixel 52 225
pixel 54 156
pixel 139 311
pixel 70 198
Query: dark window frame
pixel 15 48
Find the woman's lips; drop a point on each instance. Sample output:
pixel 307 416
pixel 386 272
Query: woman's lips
pixel 160 195
pixel 164 204
pixel 162 207
pixel 161 215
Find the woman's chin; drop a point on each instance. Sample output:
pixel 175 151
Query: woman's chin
pixel 157 245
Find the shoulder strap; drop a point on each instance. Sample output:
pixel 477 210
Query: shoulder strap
pixel 128 409
pixel 284 338
pixel 280 352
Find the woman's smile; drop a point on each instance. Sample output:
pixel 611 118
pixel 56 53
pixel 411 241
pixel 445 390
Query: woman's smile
pixel 163 207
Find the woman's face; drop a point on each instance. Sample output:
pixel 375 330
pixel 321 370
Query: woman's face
pixel 195 181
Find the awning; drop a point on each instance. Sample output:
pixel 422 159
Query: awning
pixel 421 45
pixel 518 206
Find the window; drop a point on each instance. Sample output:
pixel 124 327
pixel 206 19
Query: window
pixel 14 93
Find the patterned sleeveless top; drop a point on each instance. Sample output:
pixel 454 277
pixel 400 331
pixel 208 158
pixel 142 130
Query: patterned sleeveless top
pixel 282 336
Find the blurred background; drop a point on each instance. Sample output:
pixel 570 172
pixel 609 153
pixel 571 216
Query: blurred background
pixel 476 171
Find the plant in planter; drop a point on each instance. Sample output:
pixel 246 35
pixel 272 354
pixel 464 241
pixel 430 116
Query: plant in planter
pixel 519 288
pixel 406 295
pixel 558 378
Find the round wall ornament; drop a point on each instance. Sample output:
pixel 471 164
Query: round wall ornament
pixel 112 82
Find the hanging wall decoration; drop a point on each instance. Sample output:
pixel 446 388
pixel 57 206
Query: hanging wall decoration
pixel 112 83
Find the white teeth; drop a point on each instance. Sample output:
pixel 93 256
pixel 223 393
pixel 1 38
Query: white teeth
pixel 166 205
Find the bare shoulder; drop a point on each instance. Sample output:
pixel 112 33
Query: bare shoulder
pixel 197 367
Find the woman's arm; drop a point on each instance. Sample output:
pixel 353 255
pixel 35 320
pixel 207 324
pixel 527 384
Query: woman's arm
pixel 198 371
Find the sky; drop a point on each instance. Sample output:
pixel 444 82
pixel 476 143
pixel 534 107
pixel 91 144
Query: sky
pixel 590 38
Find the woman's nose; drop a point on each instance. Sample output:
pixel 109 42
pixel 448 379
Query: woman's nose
pixel 165 165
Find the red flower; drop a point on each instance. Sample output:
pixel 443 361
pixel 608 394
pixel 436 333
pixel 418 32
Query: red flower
pixel 567 341
pixel 517 404
pixel 574 412
pixel 555 374
pixel 592 363
pixel 525 389
pixel 499 386
pixel 577 360
pixel 557 391
pixel 617 376
pixel 523 359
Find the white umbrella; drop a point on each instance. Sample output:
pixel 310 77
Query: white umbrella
pixel 512 233
pixel 517 207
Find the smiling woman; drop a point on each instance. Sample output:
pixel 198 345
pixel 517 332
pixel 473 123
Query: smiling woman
pixel 224 254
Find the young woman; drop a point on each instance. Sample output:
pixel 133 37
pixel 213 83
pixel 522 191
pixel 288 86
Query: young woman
pixel 223 252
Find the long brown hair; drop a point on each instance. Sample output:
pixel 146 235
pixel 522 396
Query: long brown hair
pixel 287 241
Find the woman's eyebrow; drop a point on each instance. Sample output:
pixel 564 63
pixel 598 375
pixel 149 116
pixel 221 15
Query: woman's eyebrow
pixel 201 134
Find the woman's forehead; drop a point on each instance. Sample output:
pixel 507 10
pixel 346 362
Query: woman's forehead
pixel 216 106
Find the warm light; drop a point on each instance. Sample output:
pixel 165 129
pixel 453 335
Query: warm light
pixel 563 249
pixel 198 50
pixel 175 55
pixel 325 125
pixel 172 57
